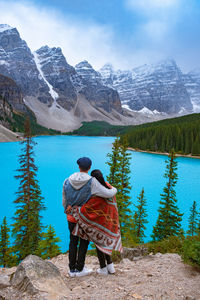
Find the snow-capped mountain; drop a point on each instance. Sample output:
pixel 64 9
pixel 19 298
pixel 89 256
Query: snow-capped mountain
pixel 58 95
pixel 62 96
pixel 157 88
pixel 98 94
pixel 56 72
pixel 86 71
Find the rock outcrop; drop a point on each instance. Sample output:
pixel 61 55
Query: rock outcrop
pixel 12 94
pixel 34 279
pixel 132 253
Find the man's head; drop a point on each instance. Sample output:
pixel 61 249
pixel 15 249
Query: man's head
pixel 84 164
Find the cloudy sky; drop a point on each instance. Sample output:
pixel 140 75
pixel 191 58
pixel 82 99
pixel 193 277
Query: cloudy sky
pixel 126 33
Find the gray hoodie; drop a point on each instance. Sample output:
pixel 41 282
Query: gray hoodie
pixel 79 179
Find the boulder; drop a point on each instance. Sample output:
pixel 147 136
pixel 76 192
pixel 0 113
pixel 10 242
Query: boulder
pixel 34 276
pixel 4 281
pixel 132 253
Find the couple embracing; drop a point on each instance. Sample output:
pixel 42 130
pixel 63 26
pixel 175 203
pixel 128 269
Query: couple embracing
pixel 92 215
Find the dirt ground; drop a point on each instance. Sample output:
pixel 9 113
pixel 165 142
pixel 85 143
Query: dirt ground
pixel 157 277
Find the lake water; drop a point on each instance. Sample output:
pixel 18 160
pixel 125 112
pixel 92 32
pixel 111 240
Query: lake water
pixel 56 158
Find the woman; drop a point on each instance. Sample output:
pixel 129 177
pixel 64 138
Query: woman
pixel 98 221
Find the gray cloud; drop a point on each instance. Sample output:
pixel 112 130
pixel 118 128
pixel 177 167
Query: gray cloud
pixel 164 28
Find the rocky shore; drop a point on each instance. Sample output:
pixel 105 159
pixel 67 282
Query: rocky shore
pixel 153 277
pixel 163 153
pixel 7 135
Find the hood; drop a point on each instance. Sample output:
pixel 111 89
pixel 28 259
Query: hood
pixel 79 179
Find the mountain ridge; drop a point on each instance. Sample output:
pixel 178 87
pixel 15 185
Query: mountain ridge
pixel 62 96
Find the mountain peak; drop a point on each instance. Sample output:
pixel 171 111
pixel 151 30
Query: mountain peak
pixel 83 64
pixel 4 27
pixel 43 48
pixel 47 49
pixel 169 61
pixel 107 66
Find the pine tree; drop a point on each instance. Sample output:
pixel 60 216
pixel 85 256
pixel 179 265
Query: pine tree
pixel 130 239
pixel 48 247
pixel 114 163
pixel 140 217
pixel 27 228
pixel 119 177
pixel 193 220
pixel 169 218
pixel 5 250
pixel 123 195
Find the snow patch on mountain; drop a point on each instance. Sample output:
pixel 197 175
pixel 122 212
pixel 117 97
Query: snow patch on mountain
pixel 150 89
pixel 156 112
pixel 196 108
pixel 145 110
pixel 53 93
pixel 127 107
pixel 3 62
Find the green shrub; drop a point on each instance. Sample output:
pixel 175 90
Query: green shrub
pixel 92 252
pixel 173 244
pixel 116 256
pixel 191 251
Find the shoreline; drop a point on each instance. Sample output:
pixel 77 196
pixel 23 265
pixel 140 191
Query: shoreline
pixel 19 138
pixel 164 153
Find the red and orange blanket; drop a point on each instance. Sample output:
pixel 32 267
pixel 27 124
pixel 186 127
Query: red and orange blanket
pixel 98 221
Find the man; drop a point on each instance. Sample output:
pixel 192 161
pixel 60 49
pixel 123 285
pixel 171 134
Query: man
pixel 77 190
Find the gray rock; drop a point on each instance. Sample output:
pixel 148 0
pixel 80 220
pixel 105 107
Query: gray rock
pixel 35 276
pixel 132 253
pixel 95 91
pixel 4 281
pixel 12 93
pixel 192 84
pixel 57 72
pixel 17 62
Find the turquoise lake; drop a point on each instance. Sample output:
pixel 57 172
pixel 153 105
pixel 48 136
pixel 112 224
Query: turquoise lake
pixel 56 158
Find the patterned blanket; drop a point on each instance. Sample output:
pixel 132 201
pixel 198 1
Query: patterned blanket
pixel 98 221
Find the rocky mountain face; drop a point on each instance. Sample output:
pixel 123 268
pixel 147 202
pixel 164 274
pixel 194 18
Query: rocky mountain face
pixel 11 102
pixel 56 92
pixel 5 113
pixel 56 72
pixel 95 92
pixel 192 84
pixel 17 62
pixel 62 96
pixel 12 93
pixel 158 88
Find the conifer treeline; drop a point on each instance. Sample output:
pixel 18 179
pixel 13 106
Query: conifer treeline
pixel 182 136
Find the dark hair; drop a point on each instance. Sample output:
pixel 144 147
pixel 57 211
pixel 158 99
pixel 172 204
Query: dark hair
pixel 99 176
